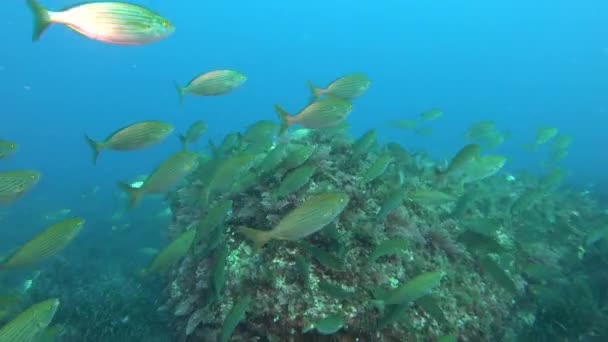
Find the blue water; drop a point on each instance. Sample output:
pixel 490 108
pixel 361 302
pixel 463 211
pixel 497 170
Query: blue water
pixel 520 63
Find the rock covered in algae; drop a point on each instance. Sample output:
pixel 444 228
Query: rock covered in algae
pixel 338 269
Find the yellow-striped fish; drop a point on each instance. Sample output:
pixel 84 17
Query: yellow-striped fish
pixel 172 253
pixel 44 244
pixel 212 83
pixel 110 22
pixel 167 174
pixel 132 137
pixel 326 112
pixel 347 87
pixel 13 184
pixel 194 132
pixel 7 148
pixel 30 323
pixel 310 217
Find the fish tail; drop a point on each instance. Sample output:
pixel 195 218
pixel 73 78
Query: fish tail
pixel 41 18
pixel 95 146
pixel 259 237
pixel 315 91
pixel 182 139
pixel 180 92
pixel 133 193
pixel 284 117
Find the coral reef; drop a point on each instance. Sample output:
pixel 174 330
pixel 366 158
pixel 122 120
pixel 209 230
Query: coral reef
pixel 485 253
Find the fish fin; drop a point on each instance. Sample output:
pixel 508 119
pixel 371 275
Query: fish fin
pixel 259 237
pixel 315 91
pixel 182 139
pixel 180 92
pixel 284 117
pixel 133 193
pixel 95 146
pixel 41 18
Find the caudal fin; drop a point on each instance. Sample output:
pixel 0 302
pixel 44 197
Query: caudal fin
pixel 180 92
pixel 284 117
pixel 259 237
pixel 95 146
pixel 41 18
pixel 315 92
pixel 134 194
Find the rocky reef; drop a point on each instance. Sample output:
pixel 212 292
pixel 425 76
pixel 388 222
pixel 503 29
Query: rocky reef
pixel 504 246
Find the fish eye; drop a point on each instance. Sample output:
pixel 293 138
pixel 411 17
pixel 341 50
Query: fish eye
pixel 165 23
pixel 13 145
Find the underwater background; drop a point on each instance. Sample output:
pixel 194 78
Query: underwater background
pixel 523 65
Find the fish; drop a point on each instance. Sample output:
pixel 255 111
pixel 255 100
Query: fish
pixel 322 113
pixel 365 142
pixel 294 180
pixel 561 142
pixel 15 183
pixel 45 244
pixel 431 114
pixel 543 136
pixel 403 123
pixel 228 173
pixel 464 156
pixel 376 169
pixel 388 247
pixel 483 167
pixel 479 129
pixel 297 155
pixel 135 136
pixel 30 323
pixel 391 202
pixel 431 197
pixel 311 216
pixel 260 131
pixel 328 325
pixel 415 288
pixel 7 148
pixel 109 22
pixel 194 132
pixel 273 159
pixel 347 87
pixel 212 83
pixel 168 173
pixel 169 255
pixel 492 139
pixel 234 316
